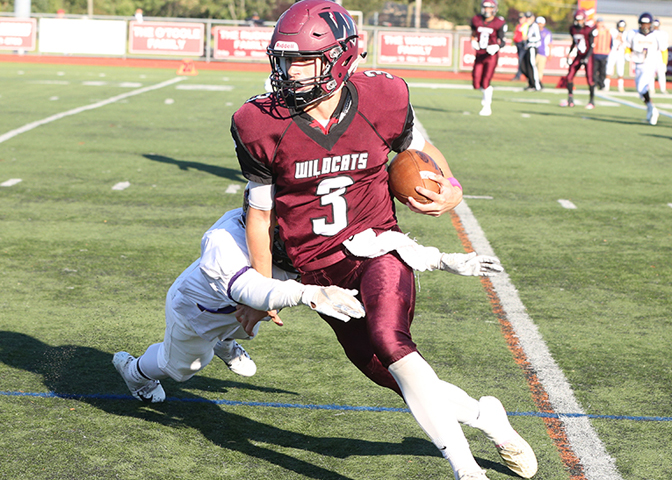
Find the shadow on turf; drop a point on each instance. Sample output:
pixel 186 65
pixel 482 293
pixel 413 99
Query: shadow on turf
pixel 73 370
pixel 231 174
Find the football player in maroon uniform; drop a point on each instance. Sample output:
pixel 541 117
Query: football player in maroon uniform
pixel 582 40
pixel 315 152
pixel 487 37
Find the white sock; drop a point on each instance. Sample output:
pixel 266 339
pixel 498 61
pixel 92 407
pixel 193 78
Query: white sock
pixel 620 84
pixel 493 421
pixel 464 407
pixel 487 96
pixel 422 391
pixel 148 363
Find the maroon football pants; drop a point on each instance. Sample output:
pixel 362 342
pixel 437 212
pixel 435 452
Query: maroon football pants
pixel 587 64
pixel 484 70
pixel 387 290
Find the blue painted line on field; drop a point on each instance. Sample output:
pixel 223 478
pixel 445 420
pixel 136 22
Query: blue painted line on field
pixel 320 407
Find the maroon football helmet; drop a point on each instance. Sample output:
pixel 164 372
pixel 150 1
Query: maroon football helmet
pixel 580 17
pixel 489 4
pixel 318 29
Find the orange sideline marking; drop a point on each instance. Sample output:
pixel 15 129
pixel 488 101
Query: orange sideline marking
pixel 554 426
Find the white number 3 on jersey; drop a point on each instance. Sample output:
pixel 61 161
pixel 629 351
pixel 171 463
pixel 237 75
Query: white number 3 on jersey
pixel 331 191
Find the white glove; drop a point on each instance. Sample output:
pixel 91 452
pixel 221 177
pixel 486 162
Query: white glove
pixel 333 301
pixel 492 49
pixel 470 264
pixel 475 45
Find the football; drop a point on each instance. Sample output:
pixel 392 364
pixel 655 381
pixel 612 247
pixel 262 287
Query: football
pixel 410 169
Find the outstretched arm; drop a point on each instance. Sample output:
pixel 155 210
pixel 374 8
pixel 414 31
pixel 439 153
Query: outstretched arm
pixel 267 294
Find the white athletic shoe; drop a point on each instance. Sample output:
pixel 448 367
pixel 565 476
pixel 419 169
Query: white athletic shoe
pixel 148 391
pixel 235 357
pixel 486 111
pixel 518 456
pixel 515 451
pixel 477 475
pixel 654 116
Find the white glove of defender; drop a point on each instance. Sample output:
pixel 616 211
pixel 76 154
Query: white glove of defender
pixel 475 45
pixel 492 49
pixel 333 301
pixel 470 264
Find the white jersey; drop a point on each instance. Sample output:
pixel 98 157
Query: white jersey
pixel 207 284
pixel 645 49
pixel 618 42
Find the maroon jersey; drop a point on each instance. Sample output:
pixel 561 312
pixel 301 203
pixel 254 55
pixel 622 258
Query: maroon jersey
pixel 582 39
pixel 330 183
pixel 488 33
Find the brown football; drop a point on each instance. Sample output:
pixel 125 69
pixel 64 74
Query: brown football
pixel 410 169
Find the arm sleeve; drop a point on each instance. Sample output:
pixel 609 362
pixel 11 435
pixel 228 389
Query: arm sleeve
pixel 261 196
pixel 254 290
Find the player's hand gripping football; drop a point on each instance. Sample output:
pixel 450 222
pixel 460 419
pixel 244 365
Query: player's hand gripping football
pixel 449 197
pixel 470 264
pixel 333 301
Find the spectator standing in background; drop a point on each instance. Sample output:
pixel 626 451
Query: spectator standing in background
pixel 616 56
pixel 519 38
pixel 662 66
pixel 530 59
pixel 544 46
pixel 138 15
pixel 601 49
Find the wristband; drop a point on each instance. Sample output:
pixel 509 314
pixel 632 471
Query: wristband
pixel 453 181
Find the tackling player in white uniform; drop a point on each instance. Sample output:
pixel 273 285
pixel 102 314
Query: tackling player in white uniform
pixel 645 48
pixel 662 65
pixel 220 298
pixel 206 311
pixel 616 59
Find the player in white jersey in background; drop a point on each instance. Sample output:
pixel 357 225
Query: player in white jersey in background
pixel 220 298
pixel 217 300
pixel 616 59
pixel 662 65
pixel 644 48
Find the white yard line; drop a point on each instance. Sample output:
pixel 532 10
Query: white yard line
pixel 567 204
pixel 26 128
pixel 584 441
pixel 11 182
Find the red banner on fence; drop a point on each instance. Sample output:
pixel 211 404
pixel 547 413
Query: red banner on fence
pixel 415 48
pixel 241 42
pixel 250 43
pixel 18 33
pixel 165 38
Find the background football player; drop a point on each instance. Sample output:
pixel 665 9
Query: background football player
pixel 582 42
pixel 644 48
pixel 616 59
pixel 661 72
pixel 487 37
